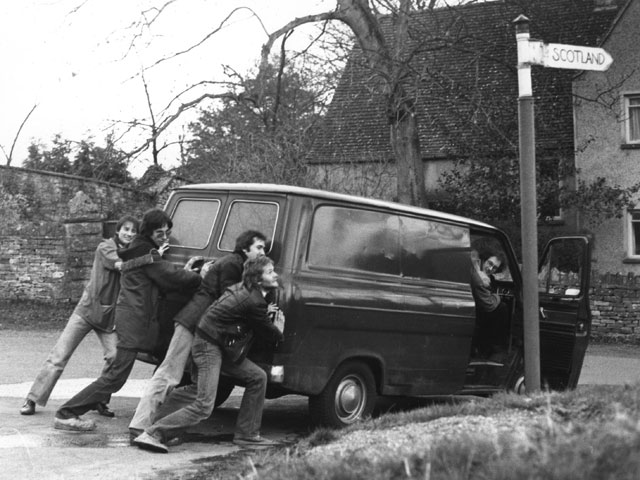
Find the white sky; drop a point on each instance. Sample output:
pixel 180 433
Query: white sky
pixel 73 66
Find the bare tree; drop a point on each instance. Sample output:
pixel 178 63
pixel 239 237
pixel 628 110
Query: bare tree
pixel 389 62
pixel 9 157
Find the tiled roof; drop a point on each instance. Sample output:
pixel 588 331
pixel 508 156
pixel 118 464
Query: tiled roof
pixel 466 95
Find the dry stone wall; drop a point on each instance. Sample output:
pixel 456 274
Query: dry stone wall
pixel 615 305
pixel 51 225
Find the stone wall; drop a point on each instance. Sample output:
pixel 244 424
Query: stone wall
pixel 51 225
pixel 615 305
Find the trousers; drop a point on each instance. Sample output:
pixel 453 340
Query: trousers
pixel 74 332
pixel 209 362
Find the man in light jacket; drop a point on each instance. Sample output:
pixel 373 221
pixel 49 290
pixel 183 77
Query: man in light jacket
pixel 94 312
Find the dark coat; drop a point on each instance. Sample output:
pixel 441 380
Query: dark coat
pixel 224 273
pixel 238 310
pixel 146 277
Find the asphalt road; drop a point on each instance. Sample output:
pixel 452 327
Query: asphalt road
pixel 31 449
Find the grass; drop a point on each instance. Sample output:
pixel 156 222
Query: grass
pixel 34 315
pixel 589 433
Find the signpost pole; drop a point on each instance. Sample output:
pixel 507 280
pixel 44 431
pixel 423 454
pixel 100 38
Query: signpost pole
pixel 528 209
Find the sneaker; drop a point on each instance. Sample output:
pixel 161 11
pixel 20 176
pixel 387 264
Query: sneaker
pixel 175 441
pixel 29 407
pixel 74 424
pixel 257 441
pixel 151 443
pixel 133 434
pixel 103 409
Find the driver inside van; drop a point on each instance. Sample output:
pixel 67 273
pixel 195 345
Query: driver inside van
pixel 492 314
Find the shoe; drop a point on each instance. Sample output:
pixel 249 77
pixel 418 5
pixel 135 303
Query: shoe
pixel 256 441
pixel 175 441
pixel 149 442
pixel 74 424
pixel 133 434
pixel 29 407
pixel 103 409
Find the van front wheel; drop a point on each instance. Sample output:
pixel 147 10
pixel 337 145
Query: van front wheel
pixel 349 396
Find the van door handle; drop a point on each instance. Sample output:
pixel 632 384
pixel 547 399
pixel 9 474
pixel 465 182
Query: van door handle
pixel 542 314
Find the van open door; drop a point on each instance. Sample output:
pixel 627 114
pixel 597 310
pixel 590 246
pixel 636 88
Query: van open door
pixel 565 315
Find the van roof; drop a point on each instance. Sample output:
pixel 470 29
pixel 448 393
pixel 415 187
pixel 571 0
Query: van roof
pixel 310 192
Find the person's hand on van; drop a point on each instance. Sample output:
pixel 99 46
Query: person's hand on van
pixel 190 263
pixel 278 317
pixel 163 248
pixel 206 267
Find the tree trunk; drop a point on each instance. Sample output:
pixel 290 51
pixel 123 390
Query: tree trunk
pixel 406 149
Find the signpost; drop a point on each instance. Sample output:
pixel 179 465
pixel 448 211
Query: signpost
pixel 557 55
pixel 554 55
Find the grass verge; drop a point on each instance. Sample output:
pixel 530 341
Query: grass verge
pixel 590 433
pixel 33 315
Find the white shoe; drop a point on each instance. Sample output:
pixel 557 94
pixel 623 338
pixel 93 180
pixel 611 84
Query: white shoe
pixel 74 424
pixel 149 442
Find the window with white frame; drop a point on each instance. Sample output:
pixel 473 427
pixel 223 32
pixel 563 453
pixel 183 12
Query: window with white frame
pixel 632 118
pixel 634 233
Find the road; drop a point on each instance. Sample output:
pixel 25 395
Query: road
pixel 31 449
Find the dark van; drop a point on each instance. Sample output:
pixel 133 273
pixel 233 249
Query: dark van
pixel 377 296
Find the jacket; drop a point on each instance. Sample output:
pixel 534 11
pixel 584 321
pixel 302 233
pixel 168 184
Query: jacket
pixel 224 273
pixel 237 311
pixel 146 277
pixel 101 292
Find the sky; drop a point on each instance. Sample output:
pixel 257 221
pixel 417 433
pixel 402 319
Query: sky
pixel 71 58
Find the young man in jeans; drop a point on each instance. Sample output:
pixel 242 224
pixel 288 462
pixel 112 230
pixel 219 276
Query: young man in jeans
pixel 241 311
pixel 141 287
pixel 224 273
pixel 93 312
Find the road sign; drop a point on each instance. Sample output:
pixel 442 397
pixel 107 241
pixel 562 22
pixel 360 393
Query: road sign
pixel 575 57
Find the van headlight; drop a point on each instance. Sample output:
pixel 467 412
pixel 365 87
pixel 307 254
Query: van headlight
pixel 277 373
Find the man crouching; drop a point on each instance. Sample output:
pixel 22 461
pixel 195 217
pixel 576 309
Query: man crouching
pixel 223 337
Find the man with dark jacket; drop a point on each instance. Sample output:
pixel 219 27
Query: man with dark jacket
pixel 233 319
pixel 225 272
pixel 146 277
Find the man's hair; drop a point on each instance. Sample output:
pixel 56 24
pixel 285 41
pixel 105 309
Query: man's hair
pixel 246 239
pixel 125 219
pixel 154 219
pixel 252 273
pixel 487 254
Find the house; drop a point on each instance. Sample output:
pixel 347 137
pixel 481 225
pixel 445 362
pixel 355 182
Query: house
pixel 465 89
pixel 607 137
pixel 465 92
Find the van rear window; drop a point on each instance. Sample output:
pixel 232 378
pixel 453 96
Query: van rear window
pixel 193 221
pixel 247 215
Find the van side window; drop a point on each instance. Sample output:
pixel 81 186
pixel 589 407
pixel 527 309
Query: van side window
pixel 355 239
pixel 247 215
pixel 434 250
pixel 193 220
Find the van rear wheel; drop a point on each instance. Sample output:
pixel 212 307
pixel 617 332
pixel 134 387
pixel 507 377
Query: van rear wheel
pixel 349 396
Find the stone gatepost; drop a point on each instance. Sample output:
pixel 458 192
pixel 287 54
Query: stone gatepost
pixel 83 233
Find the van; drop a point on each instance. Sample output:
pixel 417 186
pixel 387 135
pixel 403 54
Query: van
pixel 378 299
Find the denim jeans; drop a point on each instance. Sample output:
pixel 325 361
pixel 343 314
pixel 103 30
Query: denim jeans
pixel 74 332
pixel 111 380
pixel 164 379
pixel 209 361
